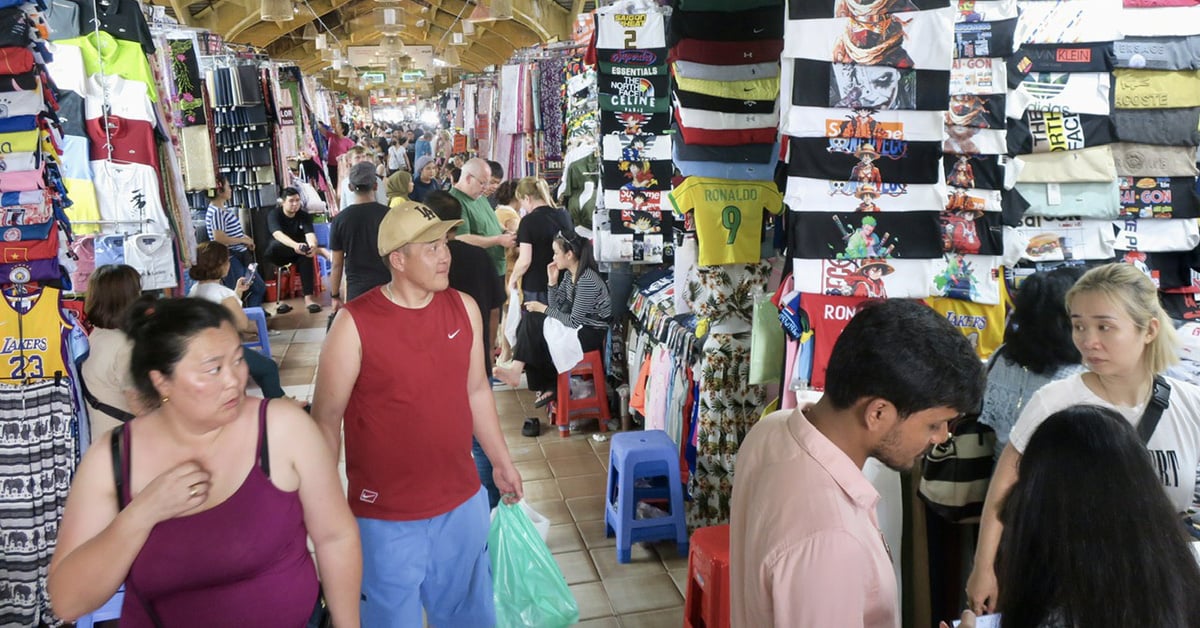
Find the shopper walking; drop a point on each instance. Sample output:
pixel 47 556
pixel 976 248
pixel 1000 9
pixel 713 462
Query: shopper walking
pixel 1127 341
pixel 203 506
pixel 404 366
pixel 805 544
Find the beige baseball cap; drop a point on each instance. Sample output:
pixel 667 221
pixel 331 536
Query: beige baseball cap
pixel 411 222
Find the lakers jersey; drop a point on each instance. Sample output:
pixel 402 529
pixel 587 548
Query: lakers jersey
pixel 31 340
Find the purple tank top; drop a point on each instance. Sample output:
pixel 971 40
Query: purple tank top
pixel 244 562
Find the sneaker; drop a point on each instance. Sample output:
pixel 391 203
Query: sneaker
pixel 532 427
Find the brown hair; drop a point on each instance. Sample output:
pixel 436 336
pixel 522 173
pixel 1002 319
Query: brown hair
pixel 111 289
pixel 211 258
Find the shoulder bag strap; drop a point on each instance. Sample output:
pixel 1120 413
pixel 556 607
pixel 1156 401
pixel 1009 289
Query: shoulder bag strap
pixel 1160 400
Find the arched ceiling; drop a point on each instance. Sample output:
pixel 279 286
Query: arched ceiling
pixel 357 23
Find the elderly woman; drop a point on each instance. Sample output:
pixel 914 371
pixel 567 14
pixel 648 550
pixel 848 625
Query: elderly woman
pixel 202 505
pixel 578 299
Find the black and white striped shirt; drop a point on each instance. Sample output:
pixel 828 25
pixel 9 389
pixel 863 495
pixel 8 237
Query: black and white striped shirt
pixel 583 303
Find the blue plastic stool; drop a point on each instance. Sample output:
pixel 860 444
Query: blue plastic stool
pixel 111 610
pixel 263 344
pixel 640 455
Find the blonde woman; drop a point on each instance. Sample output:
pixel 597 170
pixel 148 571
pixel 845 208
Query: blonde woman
pixel 1126 340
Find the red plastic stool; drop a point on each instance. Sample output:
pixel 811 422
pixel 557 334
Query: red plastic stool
pixel 707 602
pixel 566 408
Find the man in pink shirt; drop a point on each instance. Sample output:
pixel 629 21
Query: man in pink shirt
pixel 806 548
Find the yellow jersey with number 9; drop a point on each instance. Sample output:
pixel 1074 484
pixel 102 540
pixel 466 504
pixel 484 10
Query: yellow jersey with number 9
pixel 728 216
pixel 32 342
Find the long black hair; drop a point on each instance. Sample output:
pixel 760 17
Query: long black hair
pixel 1090 537
pixel 1038 336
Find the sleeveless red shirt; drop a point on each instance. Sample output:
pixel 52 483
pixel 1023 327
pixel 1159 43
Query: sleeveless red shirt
pixel 408 423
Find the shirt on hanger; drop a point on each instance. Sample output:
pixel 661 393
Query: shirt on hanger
pixel 1059 200
pixel 129 194
pixel 1158 197
pixel 153 257
pixel 728 216
pixel 1147 160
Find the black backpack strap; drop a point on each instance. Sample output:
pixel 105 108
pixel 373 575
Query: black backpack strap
pixel 1160 400
pixel 115 442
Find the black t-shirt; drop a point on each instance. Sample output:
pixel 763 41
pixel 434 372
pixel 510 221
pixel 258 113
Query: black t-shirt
pixel 471 274
pixel 538 230
pixel 355 232
pixel 294 227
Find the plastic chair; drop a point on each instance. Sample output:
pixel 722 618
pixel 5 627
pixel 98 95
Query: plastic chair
pixel 707 601
pixel 263 344
pixel 110 611
pixel 595 405
pixel 632 457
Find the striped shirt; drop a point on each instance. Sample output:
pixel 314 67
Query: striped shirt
pixel 583 303
pixel 225 220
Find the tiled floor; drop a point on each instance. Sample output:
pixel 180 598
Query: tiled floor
pixel 564 480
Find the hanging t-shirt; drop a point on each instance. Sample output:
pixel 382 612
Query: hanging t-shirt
pixel 1087 200
pixel 615 29
pixel 128 194
pixel 728 216
pixel 875 278
pixel 982 325
pixel 152 255
pixel 846 85
pixel 1041 239
pixel 1158 197
pixel 1043 132
pixel 1068 22
pixel 1147 160
pixel 1174 446
pixel 1077 92
pixel 975 278
pixel 913 126
pixel 828 315
pixel 984 39
pixel 978 76
pixel 818 235
pixel 1084 57
pixel 1168 127
pixel 1158 53
pixel 878 161
pixel 1088 164
pixel 915 39
pixel 1153 236
pixel 1156 89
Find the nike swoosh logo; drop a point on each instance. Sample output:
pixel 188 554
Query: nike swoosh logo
pixel 451 336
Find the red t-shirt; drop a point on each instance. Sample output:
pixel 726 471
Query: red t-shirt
pixel 828 315
pixel 409 424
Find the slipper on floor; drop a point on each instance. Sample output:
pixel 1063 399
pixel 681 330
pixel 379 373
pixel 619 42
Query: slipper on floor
pixel 543 399
pixel 313 308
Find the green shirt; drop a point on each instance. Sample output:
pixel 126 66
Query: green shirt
pixel 480 219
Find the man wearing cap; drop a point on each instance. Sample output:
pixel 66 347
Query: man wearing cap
pixel 403 369
pixel 353 238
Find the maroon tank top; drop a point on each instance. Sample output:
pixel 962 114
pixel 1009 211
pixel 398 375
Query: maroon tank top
pixel 408 422
pixel 244 562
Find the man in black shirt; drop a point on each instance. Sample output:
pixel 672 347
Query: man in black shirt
pixel 295 243
pixel 354 237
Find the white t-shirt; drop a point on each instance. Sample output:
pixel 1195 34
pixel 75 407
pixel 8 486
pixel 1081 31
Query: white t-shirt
pixel 215 292
pixel 152 256
pixel 1174 446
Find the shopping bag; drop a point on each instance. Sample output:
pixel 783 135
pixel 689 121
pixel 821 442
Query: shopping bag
pixel 512 318
pixel 528 588
pixel 766 343
pixel 564 345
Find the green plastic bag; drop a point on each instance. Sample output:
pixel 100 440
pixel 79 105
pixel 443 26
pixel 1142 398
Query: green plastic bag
pixel 528 587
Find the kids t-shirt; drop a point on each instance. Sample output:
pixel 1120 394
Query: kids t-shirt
pixel 1174 446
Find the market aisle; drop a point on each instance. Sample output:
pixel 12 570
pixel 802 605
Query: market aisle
pixel 564 480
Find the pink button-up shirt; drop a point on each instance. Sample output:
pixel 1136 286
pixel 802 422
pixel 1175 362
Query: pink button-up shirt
pixel 806 549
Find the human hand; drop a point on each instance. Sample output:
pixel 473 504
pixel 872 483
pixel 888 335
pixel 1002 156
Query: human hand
pixel 982 590
pixel 534 306
pixel 508 481
pixel 967 620
pixel 174 492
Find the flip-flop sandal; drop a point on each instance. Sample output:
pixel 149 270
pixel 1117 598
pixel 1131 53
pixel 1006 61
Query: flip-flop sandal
pixel 283 308
pixel 313 308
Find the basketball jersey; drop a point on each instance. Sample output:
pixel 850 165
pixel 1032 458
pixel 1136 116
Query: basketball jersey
pixel 828 316
pixel 982 325
pixel 110 249
pixel 31 344
pixel 728 216
pixel 151 254
pixel 630 30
